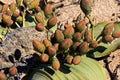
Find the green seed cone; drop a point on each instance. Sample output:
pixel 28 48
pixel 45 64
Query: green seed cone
pixel 40 27
pixel 86 6
pixel 40 47
pixel 51 51
pixel 76 60
pixel 44 57
pixel 26 2
pixel 13 70
pixel 55 63
pixel 68 32
pixel 39 18
pixel 77 36
pixel 7 19
pixel 4 8
pixel 33 4
pixel 2 76
pixel 18 2
pixel 48 9
pixel 83 48
pixel 59 37
pixel 81 26
pixel 52 22
pixel 47 43
pixel 12 7
pixel 67 43
pixel 19 19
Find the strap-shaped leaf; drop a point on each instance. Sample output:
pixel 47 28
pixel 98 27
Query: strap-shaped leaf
pixel 104 49
pixel 88 69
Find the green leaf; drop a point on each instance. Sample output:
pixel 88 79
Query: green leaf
pixel 3 31
pixel 28 24
pixel 104 49
pixel 88 69
pixel 29 21
pixel 98 29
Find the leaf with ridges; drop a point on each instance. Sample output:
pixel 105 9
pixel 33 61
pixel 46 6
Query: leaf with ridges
pixel 104 49
pixel 98 29
pixel 85 70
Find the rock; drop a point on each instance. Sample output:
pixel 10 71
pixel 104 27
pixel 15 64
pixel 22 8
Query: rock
pixel 19 42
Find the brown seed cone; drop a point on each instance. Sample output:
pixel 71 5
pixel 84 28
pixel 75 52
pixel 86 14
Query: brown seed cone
pixel 56 45
pixel 55 64
pixel 88 36
pixel 33 4
pixel 8 12
pixel 4 8
pixel 2 76
pixel 7 19
pixel 51 51
pixel 116 34
pixel 48 9
pixel 76 60
pixel 40 27
pixel 108 29
pixel 0 17
pixel 69 59
pixel 59 37
pixel 47 43
pixel 66 25
pixel 52 22
pixel 107 38
pixel 94 44
pixel 13 70
pixel 75 46
pixel 16 13
pixel 77 36
pixel 39 18
pixel 81 25
pixel 67 43
pixel 83 48
pixel 40 47
pixel 37 8
pixel 13 7
pixel 68 32
pixel 44 57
